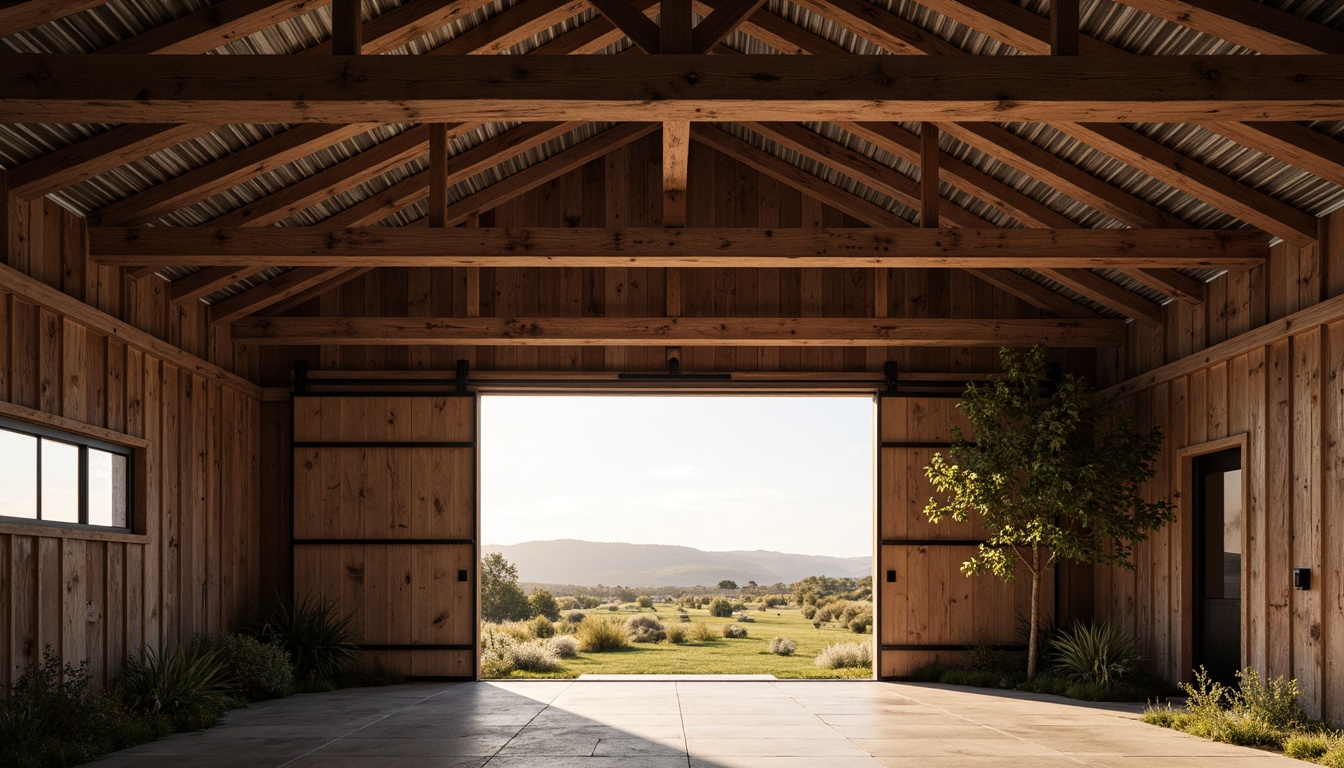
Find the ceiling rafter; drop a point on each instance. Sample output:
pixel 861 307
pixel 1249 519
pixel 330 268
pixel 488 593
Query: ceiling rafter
pixel 1181 287
pixel 637 27
pixel 905 247
pixel 25 14
pixel 1033 293
pixel 685 331
pixel 198 285
pixel 216 25
pixel 1253 25
pixel 272 291
pixel 1107 293
pixel 316 291
pixel 721 22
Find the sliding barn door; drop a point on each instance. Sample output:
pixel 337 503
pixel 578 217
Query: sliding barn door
pixel 385 523
pixel 928 611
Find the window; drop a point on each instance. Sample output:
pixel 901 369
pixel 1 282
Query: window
pixel 53 477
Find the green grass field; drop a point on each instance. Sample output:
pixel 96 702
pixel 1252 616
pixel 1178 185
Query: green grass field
pixel 721 656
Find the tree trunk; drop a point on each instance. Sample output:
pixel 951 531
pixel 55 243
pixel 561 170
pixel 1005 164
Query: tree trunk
pixel 1033 645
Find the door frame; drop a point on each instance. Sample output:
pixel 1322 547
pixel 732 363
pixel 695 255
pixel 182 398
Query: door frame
pixel 1186 458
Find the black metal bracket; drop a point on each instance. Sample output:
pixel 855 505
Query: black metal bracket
pixel 462 367
pixel 300 376
pixel 891 369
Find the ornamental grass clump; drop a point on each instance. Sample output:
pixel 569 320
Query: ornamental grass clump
pixel 1095 654
pixel 703 633
pixel 536 656
pixel 597 635
pixel 318 639
pixel 188 685
pixel 783 646
pixel 565 646
pixel 846 656
pixel 677 634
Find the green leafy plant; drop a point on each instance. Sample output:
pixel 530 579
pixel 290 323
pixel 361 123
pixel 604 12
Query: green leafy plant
pixel 319 641
pixel 1095 654
pixel 1053 472
pixel 188 684
pixel 501 597
pixel 255 670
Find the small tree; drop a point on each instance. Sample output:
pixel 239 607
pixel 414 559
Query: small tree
pixel 501 597
pixel 720 608
pixel 543 603
pixel 1053 473
pixel 644 601
pixel 727 584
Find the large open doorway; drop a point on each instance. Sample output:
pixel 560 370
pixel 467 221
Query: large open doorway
pixel 1217 557
pixel 678 534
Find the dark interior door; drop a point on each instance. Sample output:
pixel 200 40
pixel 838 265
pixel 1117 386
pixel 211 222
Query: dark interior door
pixel 1217 556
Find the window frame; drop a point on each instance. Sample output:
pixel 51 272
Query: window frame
pixel 44 426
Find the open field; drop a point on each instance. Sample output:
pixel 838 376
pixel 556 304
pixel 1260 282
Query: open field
pixel 721 656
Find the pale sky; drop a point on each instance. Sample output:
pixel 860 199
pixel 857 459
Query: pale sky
pixel 789 474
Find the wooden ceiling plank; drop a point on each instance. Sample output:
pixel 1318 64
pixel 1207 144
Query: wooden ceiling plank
pixel 1022 155
pixel 636 26
pixel 859 167
pixel 1293 143
pixel 19 16
pixel 198 285
pixel 686 331
pixel 713 246
pixel 728 16
pixel 272 291
pixel 1176 285
pixel 796 177
pixel 415 188
pixel 1180 172
pixel 1253 25
pixel 305 296
pixel 905 145
pixel 1103 291
pixel 1033 293
pixel 222 174
pixel 213 89
pixel 216 25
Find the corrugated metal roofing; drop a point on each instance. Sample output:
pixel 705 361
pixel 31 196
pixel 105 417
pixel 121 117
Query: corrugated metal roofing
pixel 1117 24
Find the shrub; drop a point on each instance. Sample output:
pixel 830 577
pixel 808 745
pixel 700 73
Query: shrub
pixel 188 685
pixel 613 607
pixel 536 656
pixel 862 623
pixel 1263 713
pixel 567 603
pixel 542 628
pixel 683 616
pixel 574 617
pixel 565 646
pixel 255 670
pixel 677 634
pixel 498 653
pixel 319 641
pixel 1097 654
pixel 845 656
pixel 1311 747
pixel 597 634
pixel 644 601
pixel 732 631
pixel 1273 702
pixel 543 603
pixel 645 629
pixel 783 646
pixel 522 631
pixel 703 633
pixel 720 608
pixel 809 612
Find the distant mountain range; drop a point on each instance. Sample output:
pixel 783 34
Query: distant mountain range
pixel 588 563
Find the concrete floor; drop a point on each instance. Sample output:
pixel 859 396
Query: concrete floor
pixel 683 724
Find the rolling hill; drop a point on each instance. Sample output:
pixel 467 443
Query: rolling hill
pixel 569 561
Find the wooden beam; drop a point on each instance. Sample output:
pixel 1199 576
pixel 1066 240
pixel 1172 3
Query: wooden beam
pixel 881 27
pixel 674 26
pixel 636 26
pixel 222 174
pixel 407 22
pixel 1033 293
pixel 198 285
pixel 657 246
pixel 1103 291
pixel 96 155
pixel 1064 27
pixel 859 167
pixel 438 174
pixel 928 175
pixel 272 291
pixel 892 138
pixel 683 331
pixel 347 27
pixel 305 296
pixel 1175 169
pixel 1181 287
pixel 1018 153
pixel 788 173
pixel 1253 25
pixel 676 161
pixel 214 26
pixel 1309 149
pixel 596 35
pixel 777 32
pixel 345 89
pixel 25 14
pixel 727 17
